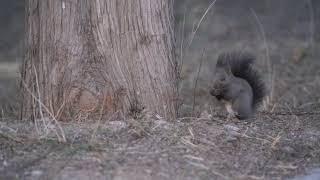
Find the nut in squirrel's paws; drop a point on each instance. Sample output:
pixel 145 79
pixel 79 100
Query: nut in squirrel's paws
pixel 216 93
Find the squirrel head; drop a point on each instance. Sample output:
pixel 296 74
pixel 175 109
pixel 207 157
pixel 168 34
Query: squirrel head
pixel 222 77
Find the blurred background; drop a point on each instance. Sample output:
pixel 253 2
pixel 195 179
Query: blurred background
pixel 11 53
pixel 283 35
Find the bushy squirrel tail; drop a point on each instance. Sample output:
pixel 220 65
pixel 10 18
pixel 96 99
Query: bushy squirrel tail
pixel 240 64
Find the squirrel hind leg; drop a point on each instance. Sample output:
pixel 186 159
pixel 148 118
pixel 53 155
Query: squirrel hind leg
pixel 243 110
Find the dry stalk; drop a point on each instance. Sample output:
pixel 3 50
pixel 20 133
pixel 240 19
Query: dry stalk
pixel 311 25
pixel 99 120
pixel 39 104
pixel 196 82
pixel 198 165
pixel 269 99
pixel 182 42
pixel 58 113
pixel 191 132
pixel 276 141
pixel 61 135
pixel 187 142
pixel 2 114
pixel 260 139
pixel 10 138
pixel 194 31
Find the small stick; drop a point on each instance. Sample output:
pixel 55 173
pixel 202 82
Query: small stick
pixel 196 82
pixel 199 23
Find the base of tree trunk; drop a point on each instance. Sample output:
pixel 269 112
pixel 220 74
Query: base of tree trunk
pixel 93 59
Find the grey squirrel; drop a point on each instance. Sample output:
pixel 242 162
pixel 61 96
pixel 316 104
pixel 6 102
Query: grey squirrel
pixel 237 84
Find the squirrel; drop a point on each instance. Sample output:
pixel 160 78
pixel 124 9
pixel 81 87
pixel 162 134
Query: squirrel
pixel 237 84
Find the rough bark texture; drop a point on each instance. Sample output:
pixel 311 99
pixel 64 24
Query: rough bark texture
pixel 91 57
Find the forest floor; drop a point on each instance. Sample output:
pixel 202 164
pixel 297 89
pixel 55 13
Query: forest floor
pixel 270 146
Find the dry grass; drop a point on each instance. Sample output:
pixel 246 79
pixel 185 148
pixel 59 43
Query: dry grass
pixel 46 123
pixel 268 102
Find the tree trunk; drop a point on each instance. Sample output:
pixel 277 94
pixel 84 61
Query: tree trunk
pixel 87 58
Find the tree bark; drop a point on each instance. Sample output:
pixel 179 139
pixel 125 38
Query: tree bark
pixel 87 58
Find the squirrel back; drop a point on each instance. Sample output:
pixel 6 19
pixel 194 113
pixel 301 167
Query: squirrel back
pixel 236 80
